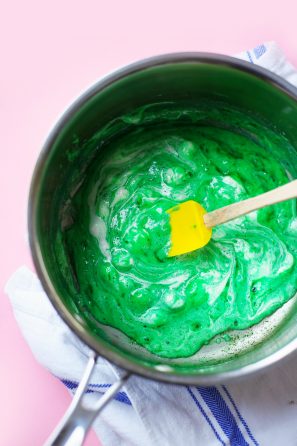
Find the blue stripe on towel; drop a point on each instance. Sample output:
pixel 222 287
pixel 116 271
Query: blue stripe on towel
pixel 69 384
pixel 249 56
pixel 93 388
pixel 259 51
pixel 223 415
pixel 240 416
pixel 205 416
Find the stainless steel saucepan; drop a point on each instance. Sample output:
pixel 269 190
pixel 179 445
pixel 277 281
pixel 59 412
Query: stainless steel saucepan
pixel 174 77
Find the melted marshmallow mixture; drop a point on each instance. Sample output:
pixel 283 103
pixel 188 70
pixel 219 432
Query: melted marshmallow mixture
pixel 119 238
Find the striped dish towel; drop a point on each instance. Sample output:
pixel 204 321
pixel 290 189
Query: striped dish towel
pixel 260 410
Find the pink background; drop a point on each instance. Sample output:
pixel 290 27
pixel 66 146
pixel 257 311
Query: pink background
pixel 50 52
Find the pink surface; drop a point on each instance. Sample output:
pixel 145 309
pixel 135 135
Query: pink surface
pixel 50 52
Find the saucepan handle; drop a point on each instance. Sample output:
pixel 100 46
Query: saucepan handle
pixel 74 426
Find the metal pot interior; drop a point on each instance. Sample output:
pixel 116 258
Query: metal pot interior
pixel 61 168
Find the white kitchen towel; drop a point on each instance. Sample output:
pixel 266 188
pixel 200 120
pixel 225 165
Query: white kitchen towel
pixel 260 410
pixel 270 56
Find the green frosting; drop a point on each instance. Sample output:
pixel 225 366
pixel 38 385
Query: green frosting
pixel 119 234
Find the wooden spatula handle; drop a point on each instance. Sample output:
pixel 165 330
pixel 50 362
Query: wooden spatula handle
pixel 227 213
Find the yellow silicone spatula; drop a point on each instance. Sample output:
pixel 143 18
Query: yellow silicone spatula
pixel 191 224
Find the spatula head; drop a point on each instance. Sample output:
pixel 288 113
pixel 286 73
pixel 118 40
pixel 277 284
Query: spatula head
pixel 188 230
